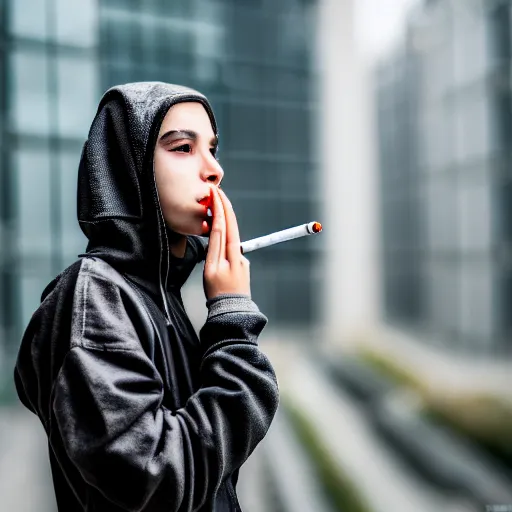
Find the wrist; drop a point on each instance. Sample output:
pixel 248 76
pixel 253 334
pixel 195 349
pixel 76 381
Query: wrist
pixel 230 303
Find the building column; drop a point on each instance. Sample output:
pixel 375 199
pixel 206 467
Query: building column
pixel 347 155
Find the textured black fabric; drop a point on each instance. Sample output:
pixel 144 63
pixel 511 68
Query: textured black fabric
pixel 141 413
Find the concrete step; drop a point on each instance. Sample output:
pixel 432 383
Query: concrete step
pixel 441 456
pixel 376 470
pixel 438 454
pixel 292 471
pixel 251 488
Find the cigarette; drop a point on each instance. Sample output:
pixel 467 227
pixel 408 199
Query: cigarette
pixel 310 228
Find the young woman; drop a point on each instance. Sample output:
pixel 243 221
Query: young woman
pixel 140 413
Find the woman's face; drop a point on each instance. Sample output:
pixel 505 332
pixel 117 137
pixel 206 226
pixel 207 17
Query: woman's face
pixel 185 167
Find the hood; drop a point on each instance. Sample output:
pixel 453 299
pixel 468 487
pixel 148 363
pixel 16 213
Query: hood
pixel 118 206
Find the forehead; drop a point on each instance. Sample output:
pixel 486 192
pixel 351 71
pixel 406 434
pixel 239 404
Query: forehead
pixel 188 116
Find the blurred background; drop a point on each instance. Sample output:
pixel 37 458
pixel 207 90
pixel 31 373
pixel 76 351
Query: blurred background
pixel 389 121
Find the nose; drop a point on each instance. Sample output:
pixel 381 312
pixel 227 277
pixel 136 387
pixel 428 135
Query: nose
pixel 212 171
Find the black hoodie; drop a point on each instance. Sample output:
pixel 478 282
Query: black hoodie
pixel 140 413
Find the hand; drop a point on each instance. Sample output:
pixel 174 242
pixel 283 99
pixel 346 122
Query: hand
pixel 226 270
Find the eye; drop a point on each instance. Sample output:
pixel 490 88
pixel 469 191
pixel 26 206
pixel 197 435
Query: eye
pixel 213 151
pixel 184 148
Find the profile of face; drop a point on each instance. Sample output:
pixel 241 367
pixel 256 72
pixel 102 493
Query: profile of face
pixel 186 167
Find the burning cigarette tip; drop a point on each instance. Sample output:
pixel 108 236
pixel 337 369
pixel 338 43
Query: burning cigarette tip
pixel 317 227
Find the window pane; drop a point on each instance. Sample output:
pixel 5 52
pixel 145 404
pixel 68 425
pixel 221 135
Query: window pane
pixel 293 294
pixel 31 288
pixel 119 29
pixel 502 119
pixel 470 48
pixel 264 288
pixel 245 126
pixel 291 132
pixel 76 22
pixel 438 137
pixel 475 221
pixel 28 18
pixel 78 95
pixel 33 191
pixel 29 107
pixel 247 32
pixel 73 240
pixel 444 296
pixel 268 129
pixel 442 214
pixel 257 217
pixel 246 174
pixel 476 300
pixel 294 212
pixel 472 124
pixel 294 179
pixel 499 32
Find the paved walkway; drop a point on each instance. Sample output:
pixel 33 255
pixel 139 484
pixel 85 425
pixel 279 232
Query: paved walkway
pixel 25 481
pixel 291 470
pixel 251 488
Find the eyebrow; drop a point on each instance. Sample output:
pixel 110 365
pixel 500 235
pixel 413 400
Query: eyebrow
pixel 184 134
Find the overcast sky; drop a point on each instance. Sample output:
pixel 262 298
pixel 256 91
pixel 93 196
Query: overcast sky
pixel 379 23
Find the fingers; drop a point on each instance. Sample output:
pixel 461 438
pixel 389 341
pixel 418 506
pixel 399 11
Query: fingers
pixel 224 236
pixel 232 232
pixel 217 243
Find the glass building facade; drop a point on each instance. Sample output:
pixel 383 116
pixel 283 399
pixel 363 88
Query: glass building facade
pixel 445 133
pixel 48 96
pixel 400 216
pixel 252 59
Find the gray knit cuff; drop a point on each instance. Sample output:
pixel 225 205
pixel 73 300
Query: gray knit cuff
pixel 230 303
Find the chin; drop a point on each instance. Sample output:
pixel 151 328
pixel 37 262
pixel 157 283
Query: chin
pixel 188 230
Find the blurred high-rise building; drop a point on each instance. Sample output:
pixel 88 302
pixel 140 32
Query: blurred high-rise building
pixel 444 100
pixel 48 94
pixel 253 60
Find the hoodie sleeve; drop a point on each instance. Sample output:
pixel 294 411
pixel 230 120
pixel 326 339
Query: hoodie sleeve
pixel 108 402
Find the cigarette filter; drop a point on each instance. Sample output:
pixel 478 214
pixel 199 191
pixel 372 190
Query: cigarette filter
pixel 310 228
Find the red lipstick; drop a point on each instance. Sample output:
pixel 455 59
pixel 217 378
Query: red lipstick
pixel 207 202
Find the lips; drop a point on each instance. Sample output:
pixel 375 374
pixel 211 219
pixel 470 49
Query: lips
pixel 207 199
pixel 207 202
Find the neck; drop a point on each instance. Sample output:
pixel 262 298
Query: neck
pixel 179 246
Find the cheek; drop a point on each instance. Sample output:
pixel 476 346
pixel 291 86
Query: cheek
pixel 173 184
pixel 164 181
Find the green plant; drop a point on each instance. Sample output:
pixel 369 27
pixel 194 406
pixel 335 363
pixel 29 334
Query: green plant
pixel 481 417
pixel 399 375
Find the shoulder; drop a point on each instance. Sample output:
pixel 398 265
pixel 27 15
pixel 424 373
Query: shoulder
pixel 107 311
pixel 63 282
pixel 106 306
pixel 97 281
pixel 78 273
pixel 98 269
